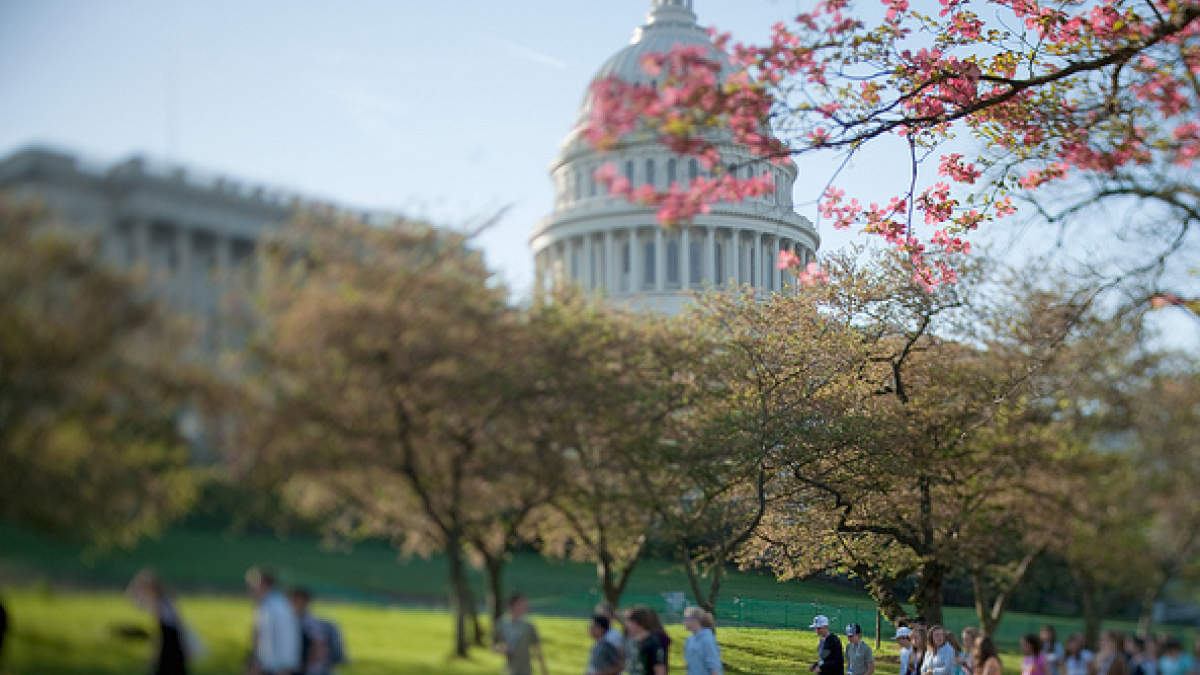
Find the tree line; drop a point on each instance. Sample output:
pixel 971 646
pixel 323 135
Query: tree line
pixel 387 386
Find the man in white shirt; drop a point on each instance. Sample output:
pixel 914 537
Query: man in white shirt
pixel 277 638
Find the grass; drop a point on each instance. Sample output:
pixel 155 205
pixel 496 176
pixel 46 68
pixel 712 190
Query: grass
pixel 371 571
pixel 74 634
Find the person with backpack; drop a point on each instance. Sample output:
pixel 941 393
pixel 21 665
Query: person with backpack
pixel 150 594
pixel 320 641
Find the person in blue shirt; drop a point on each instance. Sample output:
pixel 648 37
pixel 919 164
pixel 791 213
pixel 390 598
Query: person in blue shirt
pixel 701 651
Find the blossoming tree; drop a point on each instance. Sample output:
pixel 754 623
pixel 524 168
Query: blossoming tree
pixel 1099 94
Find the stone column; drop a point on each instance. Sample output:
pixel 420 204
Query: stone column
pixel 611 270
pixel 589 265
pixel 776 274
pixel 182 241
pixel 735 255
pixel 685 258
pixel 222 250
pixel 710 256
pixel 758 261
pixel 660 259
pixel 141 235
pixel 635 261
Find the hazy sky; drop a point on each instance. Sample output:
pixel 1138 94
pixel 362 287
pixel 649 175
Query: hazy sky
pixel 445 109
pixel 448 110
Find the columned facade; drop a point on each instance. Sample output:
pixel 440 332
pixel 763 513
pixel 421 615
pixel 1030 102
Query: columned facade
pixel 626 255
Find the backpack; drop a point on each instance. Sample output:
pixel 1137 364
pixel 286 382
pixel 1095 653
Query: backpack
pixel 337 649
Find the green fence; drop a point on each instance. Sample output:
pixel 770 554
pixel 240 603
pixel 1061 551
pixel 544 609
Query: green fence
pixel 798 615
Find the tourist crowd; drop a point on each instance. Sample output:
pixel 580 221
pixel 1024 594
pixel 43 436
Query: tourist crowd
pixel 286 639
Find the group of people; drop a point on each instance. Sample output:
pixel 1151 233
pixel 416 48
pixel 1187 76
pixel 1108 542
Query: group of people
pixel 640 646
pixel 1117 655
pixel 286 639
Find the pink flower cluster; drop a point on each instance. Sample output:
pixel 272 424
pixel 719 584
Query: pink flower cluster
pixel 836 84
pixel 680 204
pixel 809 275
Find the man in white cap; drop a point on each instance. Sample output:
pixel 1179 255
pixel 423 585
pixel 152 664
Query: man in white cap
pixel 829 649
pixel 859 659
pixel 904 639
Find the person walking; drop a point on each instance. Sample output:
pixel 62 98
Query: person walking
pixel 920 645
pixel 518 640
pixel 604 659
pixel 701 652
pixel 1078 658
pixel 859 658
pixel 1174 660
pixel 317 639
pixel 614 635
pixel 904 639
pixel 960 654
pixel 150 594
pixel 646 655
pixel 1052 650
pixel 659 631
pixel 1033 663
pixel 1110 660
pixel 829 649
pixel 940 655
pixel 277 639
pixel 966 658
pixel 987 658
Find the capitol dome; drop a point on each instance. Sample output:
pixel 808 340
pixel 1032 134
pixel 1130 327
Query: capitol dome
pixel 608 245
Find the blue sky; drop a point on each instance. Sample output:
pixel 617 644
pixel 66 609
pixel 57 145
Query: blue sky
pixel 444 110
pixel 447 110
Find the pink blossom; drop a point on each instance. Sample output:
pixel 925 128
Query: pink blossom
pixel 787 259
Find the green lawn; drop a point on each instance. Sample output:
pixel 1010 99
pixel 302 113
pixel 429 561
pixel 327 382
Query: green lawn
pixel 209 561
pixel 371 573
pixel 73 634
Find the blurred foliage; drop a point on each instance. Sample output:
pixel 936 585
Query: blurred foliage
pixel 91 389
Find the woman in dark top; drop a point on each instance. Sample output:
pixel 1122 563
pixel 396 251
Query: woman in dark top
pixel 649 654
pixel 149 593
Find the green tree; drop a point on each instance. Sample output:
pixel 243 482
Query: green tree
pixel 620 380
pixel 383 377
pixel 89 403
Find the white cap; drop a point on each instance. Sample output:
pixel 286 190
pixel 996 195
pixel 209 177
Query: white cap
pixel 820 621
pixel 903 632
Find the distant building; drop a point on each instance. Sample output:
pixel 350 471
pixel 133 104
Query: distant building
pixel 192 234
pixel 611 246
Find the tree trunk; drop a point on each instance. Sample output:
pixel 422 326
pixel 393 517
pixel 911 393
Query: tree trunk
pixel 987 621
pixel 495 589
pixel 928 596
pixel 1090 605
pixel 882 588
pixel 707 600
pixel 461 602
pixel 1149 596
pixel 991 616
pixel 613 580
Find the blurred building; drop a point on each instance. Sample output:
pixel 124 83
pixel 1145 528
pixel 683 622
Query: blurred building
pixel 611 246
pixel 192 234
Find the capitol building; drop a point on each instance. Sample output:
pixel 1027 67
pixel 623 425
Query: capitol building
pixel 608 245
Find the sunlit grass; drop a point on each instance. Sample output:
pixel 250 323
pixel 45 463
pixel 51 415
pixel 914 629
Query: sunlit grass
pixel 58 633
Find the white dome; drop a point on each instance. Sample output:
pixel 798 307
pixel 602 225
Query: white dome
pixel 670 24
pixel 609 245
